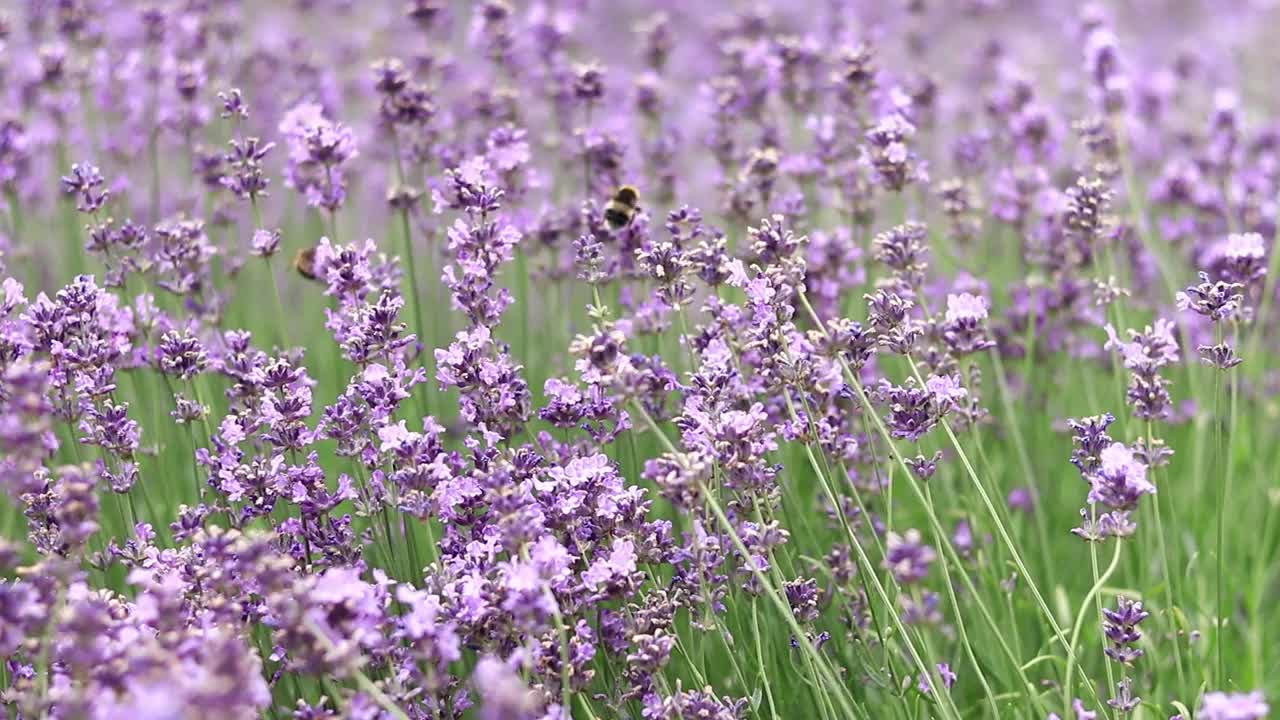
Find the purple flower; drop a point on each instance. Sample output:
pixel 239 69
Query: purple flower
pixel 265 243
pixel 945 389
pixel 471 187
pixel 890 315
pixel 1120 479
pixel 904 249
pixel 1241 258
pixel 319 150
pixel 907 556
pixel 615 568
pixel 948 677
pixel 1233 706
pixel 181 354
pixel 429 626
pixel 962 538
pixel 503 696
pixel 1124 700
pixel 246 176
pixel 802 596
pixel 15 152
pixel 923 467
pixel 703 704
pixel 1215 300
pixel 963 326
pixel 1144 355
pixel 886 152
pixel 1022 498
pixel 1087 204
pixel 914 411
pixel 1121 628
pixel 233 105
pixel 1221 356
pixel 87 185
pixel 965 306
pixel 1081 712
pixel 1153 348
pixel 650 653
pixel 26 425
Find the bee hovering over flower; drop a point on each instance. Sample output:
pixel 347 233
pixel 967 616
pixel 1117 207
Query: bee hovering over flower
pixel 305 263
pixel 622 207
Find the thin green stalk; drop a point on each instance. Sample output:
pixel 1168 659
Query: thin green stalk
pixel 415 292
pixel 973 476
pixel 940 537
pixel 1024 458
pixel 1097 581
pixel 960 624
pixel 1001 530
pixel 196 486
pixel 869 570
pixel 1005 538
pixel 1221 453
pixel 43 666
pixel 1169 571
pixel 1138 215
pixel 945 543
pixel 281 318
pixel 1092 595
pixel 1224 492
pixel 760 660
pixel 828 677
pixel 852 379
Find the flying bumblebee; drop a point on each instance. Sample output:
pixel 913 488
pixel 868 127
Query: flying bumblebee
pixel 305 263
pixel 622 207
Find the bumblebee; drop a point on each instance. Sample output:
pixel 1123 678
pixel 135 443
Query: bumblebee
pixel 305 263
pixel 622 207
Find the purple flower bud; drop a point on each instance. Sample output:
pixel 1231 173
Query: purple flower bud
pixel 1124 700
pixel 87 184
pixel 1121 628
pixel 233 105
pixel 181 354
pixel 904 249
pixel 887 153
pixel 1221 356
pixel 1215 300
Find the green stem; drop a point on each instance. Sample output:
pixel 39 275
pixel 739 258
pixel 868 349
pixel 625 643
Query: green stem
pixel 760 661
pixel 1169 571
pixel 1097 598
pixel 1002 531
pixel 1098 582
pixel 1224 492
pixel 1223 455
pixel 828 677
pixel 1024 458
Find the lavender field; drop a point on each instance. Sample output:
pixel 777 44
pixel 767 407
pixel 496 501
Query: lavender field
pixel 639 359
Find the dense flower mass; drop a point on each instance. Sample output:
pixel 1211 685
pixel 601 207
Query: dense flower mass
pixel 534 360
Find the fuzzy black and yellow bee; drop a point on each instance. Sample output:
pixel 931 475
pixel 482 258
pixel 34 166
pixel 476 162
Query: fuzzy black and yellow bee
pixel 305 263
pixel 622 207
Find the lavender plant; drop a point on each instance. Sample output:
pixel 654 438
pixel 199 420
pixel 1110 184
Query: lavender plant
pixel 645 360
